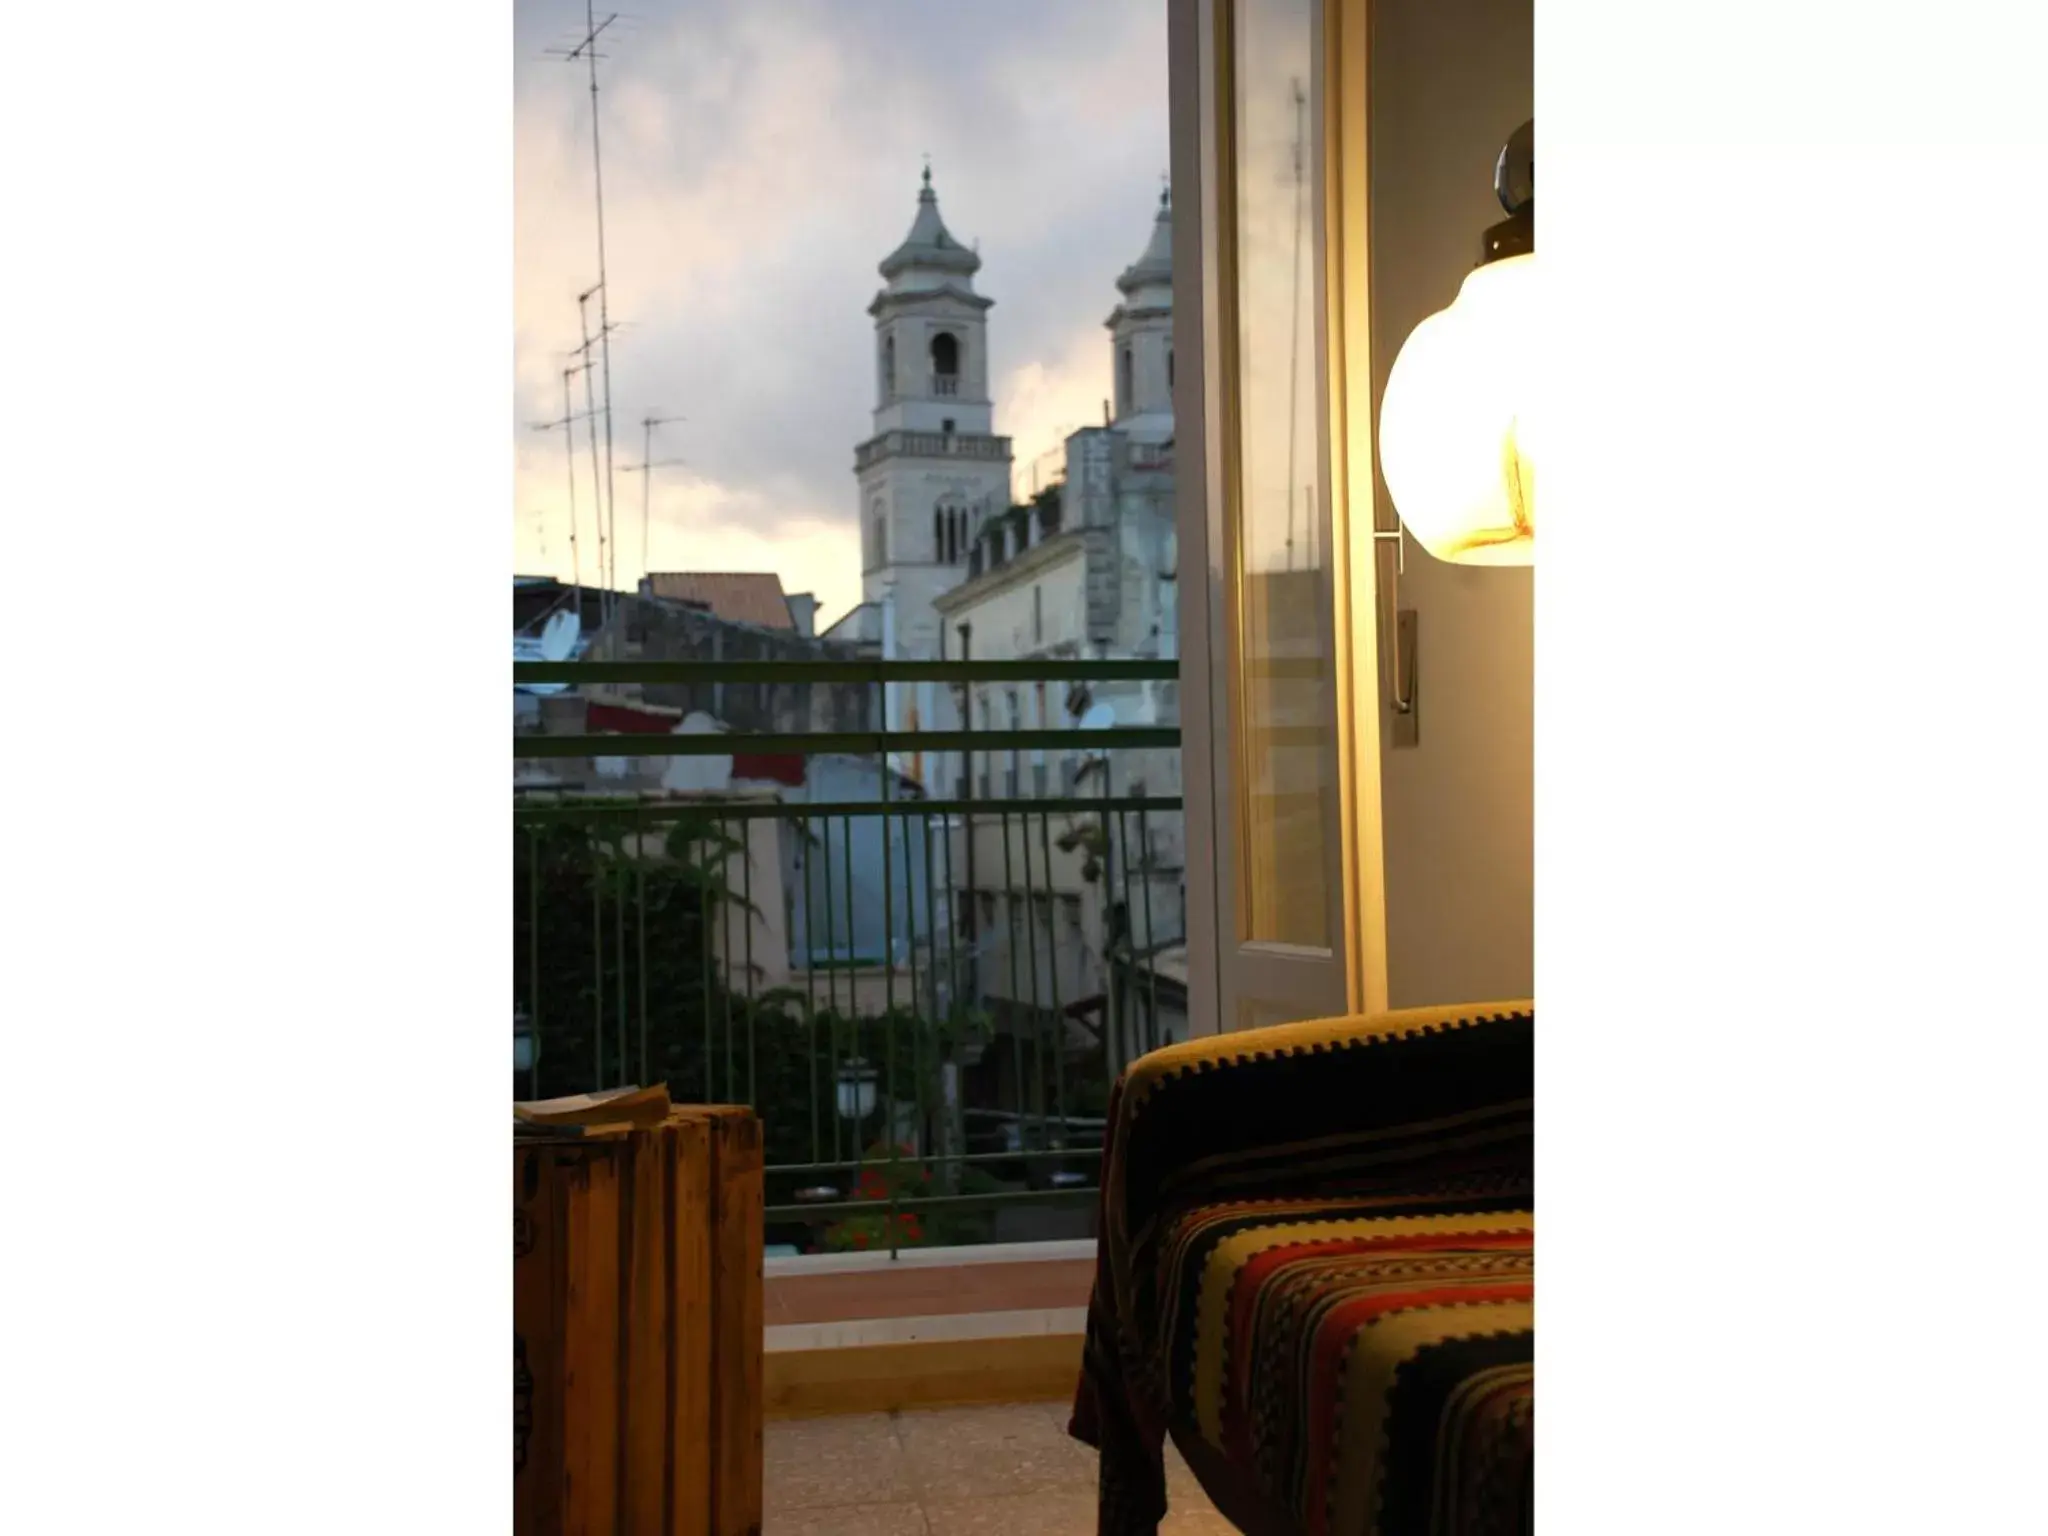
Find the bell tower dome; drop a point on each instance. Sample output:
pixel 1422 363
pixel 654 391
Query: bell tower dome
pixel 1141 335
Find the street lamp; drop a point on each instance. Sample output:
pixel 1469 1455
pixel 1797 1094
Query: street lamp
pixel 856 1090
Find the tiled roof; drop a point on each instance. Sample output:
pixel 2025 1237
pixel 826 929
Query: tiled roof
pixel 741 597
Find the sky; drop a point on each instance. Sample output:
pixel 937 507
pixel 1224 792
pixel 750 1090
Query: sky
pixel 759 160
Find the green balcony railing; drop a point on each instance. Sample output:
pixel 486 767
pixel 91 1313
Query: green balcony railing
pixel 925 994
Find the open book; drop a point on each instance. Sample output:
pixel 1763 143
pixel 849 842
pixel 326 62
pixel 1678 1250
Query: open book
pixel 588 1114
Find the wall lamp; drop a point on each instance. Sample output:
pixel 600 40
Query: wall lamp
pixel 1453 441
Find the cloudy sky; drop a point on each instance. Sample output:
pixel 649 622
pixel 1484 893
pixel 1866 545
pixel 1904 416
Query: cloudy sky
pixel 760 159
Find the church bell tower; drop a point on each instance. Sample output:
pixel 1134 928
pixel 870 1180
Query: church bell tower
pixel 933 462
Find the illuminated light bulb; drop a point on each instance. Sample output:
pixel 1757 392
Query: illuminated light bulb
pixel 1455 422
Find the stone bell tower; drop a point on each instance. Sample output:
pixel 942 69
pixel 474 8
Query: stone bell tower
pixel 933 460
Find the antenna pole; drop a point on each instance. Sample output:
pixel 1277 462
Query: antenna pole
pixel 596 484
pixel 647 467
pixel 568 426
pixel 1294 322
pixel 569 444
pixel 604 319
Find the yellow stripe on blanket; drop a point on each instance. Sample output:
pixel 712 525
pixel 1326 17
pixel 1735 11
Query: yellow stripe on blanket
pixel 1234 1252
pixel 1383 1347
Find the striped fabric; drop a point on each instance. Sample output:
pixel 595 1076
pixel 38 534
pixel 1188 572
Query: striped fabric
pixel 1316 1272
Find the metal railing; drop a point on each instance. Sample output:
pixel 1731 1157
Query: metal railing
pixel 931 445
pixel 926 994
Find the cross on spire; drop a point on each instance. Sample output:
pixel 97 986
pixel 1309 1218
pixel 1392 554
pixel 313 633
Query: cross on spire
pixel 927 170
pixel 1165 190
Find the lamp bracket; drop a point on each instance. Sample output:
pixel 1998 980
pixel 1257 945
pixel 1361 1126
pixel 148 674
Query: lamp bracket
pixel 1400 544
pixel 1401 667
pixel 1514 173
pixel 1514 183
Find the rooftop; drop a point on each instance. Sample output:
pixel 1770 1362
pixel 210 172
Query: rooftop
pixel 740 597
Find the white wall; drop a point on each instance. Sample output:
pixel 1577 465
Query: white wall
pixel 1449 80
pixel 1002 615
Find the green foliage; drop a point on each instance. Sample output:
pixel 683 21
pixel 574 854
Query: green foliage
pixel 613 964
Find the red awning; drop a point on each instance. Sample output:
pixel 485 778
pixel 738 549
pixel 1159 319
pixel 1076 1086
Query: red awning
pixel 628 721
pixel 777 770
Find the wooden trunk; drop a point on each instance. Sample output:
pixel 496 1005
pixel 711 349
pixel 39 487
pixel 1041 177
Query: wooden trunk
pixel 637 1319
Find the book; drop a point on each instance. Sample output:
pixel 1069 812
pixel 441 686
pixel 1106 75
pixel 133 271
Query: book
pixel 638 1107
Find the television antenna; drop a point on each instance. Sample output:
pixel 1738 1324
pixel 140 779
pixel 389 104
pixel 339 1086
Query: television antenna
pixel 646 467
pixel 600 487
pixel 585 51
pixel 567 424
pixel 1294 322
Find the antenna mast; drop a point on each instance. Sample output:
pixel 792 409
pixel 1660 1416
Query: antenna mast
pixel 597 485
pixel 586 50
pixel 1294 321
pixel 647 466
pixel 567 423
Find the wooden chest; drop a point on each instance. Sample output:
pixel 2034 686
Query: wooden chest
pixel 637 1327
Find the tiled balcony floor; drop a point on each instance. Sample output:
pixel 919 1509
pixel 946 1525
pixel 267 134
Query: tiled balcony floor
pixel 1001 1471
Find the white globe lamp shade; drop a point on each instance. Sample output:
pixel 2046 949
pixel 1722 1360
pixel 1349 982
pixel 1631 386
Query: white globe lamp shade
pixel 1454 438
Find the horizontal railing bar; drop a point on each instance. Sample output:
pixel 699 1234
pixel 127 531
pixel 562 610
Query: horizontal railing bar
pixel 1084 1122
pixel 857 743
pixel 1092 1149
pixel 795 810
pixel 1080 1194
pixel 1041 669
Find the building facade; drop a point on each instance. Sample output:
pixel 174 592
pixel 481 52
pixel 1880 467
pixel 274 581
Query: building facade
pixel 1086 569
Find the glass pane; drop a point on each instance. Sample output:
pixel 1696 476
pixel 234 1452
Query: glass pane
pixel 1287 804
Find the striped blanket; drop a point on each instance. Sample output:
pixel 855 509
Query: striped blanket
pixel 1316 1273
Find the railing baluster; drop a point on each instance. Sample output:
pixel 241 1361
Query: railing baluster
pixel 956 1010
pixel 706 906
pixel 1128 930
pixel 619 947
pixel 831 990
pixel 533 1009
pixel 1038 1028
pixel 1010 948
pixel 920 1084
pixel 747 917
pixel 725 949
pixel 640 913
pixel 1052 958
pixel 597 873
pixel 853 1013
pixel 889 992
pixel 1112 1013
pixel 810 988
pixel 1146 869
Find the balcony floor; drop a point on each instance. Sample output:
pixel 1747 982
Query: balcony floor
pixel 994 1471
